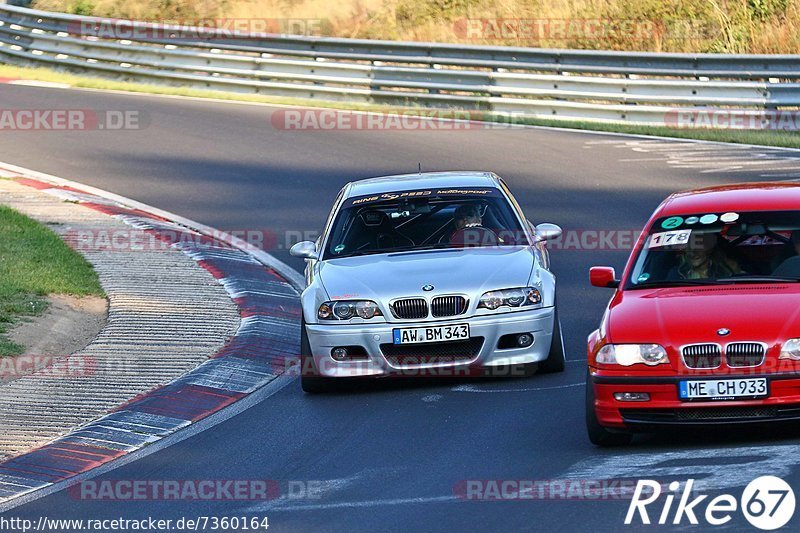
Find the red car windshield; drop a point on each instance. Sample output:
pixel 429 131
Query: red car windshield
pixel 710 248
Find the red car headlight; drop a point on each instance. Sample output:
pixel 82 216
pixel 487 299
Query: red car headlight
pixel 631 354
pixel 790 350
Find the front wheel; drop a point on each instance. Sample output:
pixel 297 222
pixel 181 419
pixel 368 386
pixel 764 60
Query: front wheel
pixel 599 435
pixel 310 380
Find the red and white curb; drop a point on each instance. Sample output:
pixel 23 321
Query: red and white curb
pixel 265 345
pixel 35 83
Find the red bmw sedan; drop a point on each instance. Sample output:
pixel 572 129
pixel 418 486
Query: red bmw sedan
pixel 704 324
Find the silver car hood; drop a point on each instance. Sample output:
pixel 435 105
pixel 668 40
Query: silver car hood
pixel 469 271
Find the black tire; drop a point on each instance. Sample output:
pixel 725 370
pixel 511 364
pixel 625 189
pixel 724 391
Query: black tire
pixel 555 359
pixel 310 381
pixel 599 435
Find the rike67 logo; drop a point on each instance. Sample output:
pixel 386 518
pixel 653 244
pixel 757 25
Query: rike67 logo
pixel 767 503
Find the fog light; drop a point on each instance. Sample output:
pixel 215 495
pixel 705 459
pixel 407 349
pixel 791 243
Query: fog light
pixel 339 354
pixel 632 396
pixel 524 340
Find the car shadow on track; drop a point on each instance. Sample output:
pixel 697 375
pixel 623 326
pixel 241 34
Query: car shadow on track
pixel 349 386
pixel 719 436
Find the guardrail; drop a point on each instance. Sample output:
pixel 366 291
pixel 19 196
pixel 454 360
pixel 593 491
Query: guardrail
pixel 637 87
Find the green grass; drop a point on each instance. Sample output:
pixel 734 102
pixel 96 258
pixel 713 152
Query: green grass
pixel 35 262
pixel 784 139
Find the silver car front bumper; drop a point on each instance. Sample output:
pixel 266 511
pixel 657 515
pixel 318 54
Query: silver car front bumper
pixel 324 337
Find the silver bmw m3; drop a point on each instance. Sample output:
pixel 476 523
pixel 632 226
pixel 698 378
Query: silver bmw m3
pixel 430 274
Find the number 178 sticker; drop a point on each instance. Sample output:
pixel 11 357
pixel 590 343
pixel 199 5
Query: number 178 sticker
pixel 670 238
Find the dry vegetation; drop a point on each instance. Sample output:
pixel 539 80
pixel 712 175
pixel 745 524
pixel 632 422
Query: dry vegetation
pixel 735 26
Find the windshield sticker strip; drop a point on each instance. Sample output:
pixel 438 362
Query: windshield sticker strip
pixel 427 193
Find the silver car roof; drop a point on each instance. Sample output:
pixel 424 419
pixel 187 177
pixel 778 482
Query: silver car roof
pixel 424 180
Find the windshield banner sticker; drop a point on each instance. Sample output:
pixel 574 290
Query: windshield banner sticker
pixel 422 194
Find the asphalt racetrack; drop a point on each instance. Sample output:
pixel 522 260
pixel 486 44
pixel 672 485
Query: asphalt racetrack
pixel 392 457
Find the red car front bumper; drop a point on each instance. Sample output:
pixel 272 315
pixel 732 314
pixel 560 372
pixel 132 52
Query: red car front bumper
pixel 665 408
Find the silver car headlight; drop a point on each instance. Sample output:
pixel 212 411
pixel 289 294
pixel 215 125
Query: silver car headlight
pixel 518 297
pixel 630 354
pixel 347 309
pixel 790 350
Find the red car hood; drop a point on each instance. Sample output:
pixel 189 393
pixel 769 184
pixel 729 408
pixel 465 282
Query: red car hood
pixel 676 316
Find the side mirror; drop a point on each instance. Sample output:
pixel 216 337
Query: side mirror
pixel 547 232
pixel 304 249
pixel 604 277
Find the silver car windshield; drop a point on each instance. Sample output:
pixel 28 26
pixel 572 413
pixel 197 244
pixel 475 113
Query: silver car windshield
pixel 719 248
pixel 424 219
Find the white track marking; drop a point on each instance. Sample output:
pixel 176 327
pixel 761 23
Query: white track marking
pixel 432 398
pixel 662 149
pixel 755 159
pixel 712 468
pixel 640 159
pixel 733 168
pixel 688 149
pixel 319 506
pixel 795 167
pixel 731 162
pixel 45 84
pixel 473 388
pixel 722 169
pixel 710 158
pixel 323 495
pixel 758 162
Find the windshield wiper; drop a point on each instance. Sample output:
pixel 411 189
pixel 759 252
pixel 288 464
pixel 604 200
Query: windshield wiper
pixel 718 281
pixel 392 250
pixel 439 246
pixel 675 283
pixel 757 279
pixel 367 252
